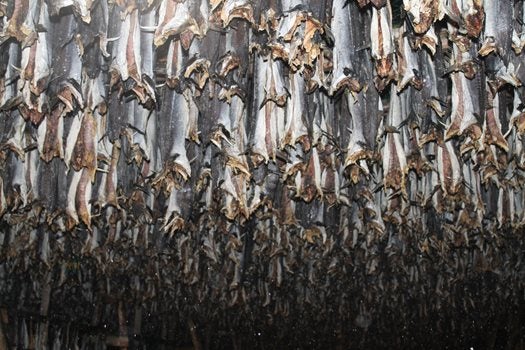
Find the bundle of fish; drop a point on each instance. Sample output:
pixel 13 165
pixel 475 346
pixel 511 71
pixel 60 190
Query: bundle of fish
pixel 178 172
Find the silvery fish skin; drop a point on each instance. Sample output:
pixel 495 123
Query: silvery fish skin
pixel 518 33
pixel 9 80
pixel 344 73
pixel 274 88
pixel 66 64
pixel 357 150
pixel 16 140
pixel 492 134
pixel 173 220
pixel 232 120
pixel 78 198
pixel 394 158
pixel 176 162
pixel 138 133
pixel 72 135
pixel 36 60
pixel 107 192
pixel 449 169
pixel 407 63
pixel 463 109
pixel 265 136
pixel 497 32
pixel 295 129
pixel 174 65
pixel 127 51
pixel 84 153
pixel 233 188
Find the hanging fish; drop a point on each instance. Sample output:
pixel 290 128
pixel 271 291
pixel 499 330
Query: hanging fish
pixel 175 19
pixel 232 9
pixel 50 135
pixel 381 37
pixel 107 192
pixel 233 188
pixel 36 58
pixel 295 129
pixel 407 63
pixel 127 52
pixel 449 169
pixel 79 198
pixel 84 152
pixel 498 25
pixel 463 114
pixel 518 34
pixel 177 167
pixel 81 7
pixel 311 179
pixel 67 65
pixel 395 166
pixel 197 71
pixel 268 117
pixel 21 24
pixel 492 134
pixel 357 151
pixel 174 65
pixel 345 74
pixel 422 14
pixel 173 220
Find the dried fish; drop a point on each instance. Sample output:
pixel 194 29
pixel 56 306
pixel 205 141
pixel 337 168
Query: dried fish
pixel 174 65
pixel 463 113
pixel 50 135
pixel 311 178
pixel 21 23
pixel 381 37
pixel 449 168
pixel 395 166
pixel 422 14
pixel 358 150
pixel 81 7
pixel 497 33
pixel 266 133
pixel 492 134
pixel 79 197
pixel 344 72
pixel 107 193
pixel 127 59
pixel 295 129
pixel 232 9
pixel 175 19
pixel 36 60
pixel 407 64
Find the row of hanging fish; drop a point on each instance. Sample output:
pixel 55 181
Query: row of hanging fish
pixel 271 142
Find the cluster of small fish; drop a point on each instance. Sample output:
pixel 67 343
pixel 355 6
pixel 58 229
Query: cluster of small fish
pixel 263 156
